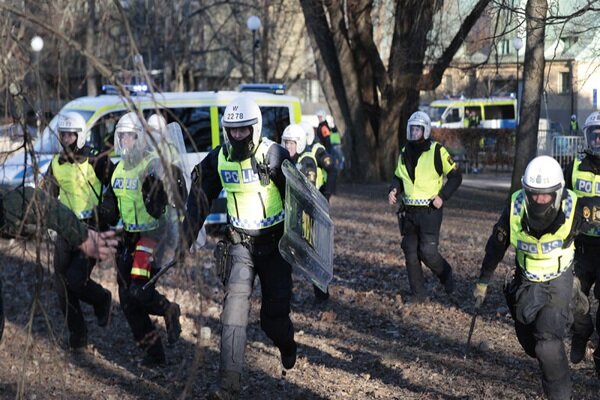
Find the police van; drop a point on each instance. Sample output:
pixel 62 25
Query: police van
pixel 493 112
pixel 198 113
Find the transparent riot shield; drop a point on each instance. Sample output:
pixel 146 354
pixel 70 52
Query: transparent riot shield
pixel 307 242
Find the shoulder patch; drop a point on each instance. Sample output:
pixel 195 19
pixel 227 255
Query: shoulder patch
pixel 450 160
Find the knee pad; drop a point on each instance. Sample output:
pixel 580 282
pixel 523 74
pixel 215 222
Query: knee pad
pixel 551 354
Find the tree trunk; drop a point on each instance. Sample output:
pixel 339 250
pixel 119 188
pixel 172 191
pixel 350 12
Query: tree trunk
pixel 90 71
pixel 533 78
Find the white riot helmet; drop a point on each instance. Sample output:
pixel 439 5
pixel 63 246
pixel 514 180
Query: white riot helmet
pixel 295 133
pixel 242 112
pixel 72 122
pixel 591 131
pixel 321 115
pixel 418 118
pixel 130 127
pixel 309 130
pixel 157 124
pixel 543 175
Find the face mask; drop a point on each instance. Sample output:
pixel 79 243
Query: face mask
pixel 240 149
pixel 540 216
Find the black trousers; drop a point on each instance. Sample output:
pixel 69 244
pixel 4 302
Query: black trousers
pixel 275 276
pixel 542 315
pixel 72 282
pixel 421 234
pixel 588 272
pixel 138 304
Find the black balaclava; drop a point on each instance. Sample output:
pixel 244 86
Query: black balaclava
pixel 241 149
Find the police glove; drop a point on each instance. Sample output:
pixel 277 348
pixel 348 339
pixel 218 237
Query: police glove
pixel 479 293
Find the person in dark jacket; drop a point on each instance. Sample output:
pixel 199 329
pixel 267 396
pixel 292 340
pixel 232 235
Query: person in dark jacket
pixel 418 181
pixel 583 177
pixel 77 178
pixel 248 167
pixel 541 222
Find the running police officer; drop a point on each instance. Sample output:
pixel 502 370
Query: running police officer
pixel 541 223
pixel 583 177
pixel 248 167
pixel 25 205
pixel 418 181
pixel 137 195
pixel 77 179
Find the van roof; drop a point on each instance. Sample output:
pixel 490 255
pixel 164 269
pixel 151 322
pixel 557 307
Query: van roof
pixel 182 99
pixel 484 100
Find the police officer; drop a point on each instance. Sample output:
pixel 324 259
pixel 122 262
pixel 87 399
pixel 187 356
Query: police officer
pixel 294 140
pixel 541 223
pixel 137 195
pixel 574 125
pixel 418 181
pixel 25 205
pixel 248 167
pixel 326 172
pixel 583 177
pixel 77 180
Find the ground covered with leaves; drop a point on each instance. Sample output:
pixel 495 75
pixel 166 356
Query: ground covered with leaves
pixel 367 342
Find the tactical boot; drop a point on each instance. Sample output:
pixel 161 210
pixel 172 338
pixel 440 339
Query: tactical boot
pixel 172 322
pixel 288 355
pixel 448 283
pixel 578 347
pixel 78 342
pixel 103 311
pixel 155 355
pixel 229 387
pixel 321 296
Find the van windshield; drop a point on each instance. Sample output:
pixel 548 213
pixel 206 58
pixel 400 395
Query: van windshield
pixel 435 112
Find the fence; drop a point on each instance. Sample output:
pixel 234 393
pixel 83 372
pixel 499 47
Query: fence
pixel 493 150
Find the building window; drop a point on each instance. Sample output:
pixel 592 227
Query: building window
pixel 564 82
pixel 505 46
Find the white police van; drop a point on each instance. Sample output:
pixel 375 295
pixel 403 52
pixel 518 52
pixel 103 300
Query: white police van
pixel 198 113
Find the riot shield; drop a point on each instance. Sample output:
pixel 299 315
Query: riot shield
pixel 307 242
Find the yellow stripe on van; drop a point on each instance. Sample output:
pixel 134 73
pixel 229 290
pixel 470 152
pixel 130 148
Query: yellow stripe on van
pixel 214 126
pixel 297 112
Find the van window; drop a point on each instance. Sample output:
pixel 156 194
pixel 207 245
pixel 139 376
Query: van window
pixel 197 123
pixel 499 112
pixel 435 113
pixel 453 115
pixel 275 120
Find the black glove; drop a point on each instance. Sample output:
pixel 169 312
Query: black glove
pixel 155 197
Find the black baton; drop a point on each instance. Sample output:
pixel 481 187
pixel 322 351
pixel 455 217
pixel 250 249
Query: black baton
pixel 160 273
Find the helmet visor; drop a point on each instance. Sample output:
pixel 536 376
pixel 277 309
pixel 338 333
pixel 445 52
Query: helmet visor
pixel 592 139
pixel 415 132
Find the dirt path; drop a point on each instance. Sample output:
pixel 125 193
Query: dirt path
pixel 367 342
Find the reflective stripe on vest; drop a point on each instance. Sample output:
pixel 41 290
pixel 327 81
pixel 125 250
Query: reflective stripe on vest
pixel 321 173
pixel 128 189
pixel 585 184
pixel 250 205
pixel 79 187
pixel 427 183
pixel 543 259
pixel 139 273
pixel 309 154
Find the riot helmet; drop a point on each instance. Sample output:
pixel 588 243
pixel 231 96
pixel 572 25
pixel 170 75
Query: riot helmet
pixel 591 131
pixel 310 132
pixel 130 139
pixel 321 115
pixel 243 112
pixel 418 127
pixel 543 184
pixel 294 133
pixel 72 122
